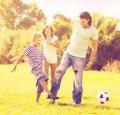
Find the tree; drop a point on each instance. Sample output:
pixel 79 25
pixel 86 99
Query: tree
pixel 17 15
pixel 105 26
pixel 63 30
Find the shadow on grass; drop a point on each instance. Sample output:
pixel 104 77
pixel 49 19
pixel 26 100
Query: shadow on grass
pixel 89 105
pixel 106 107
pixel 73 105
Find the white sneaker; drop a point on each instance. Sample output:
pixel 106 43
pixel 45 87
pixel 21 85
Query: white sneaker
pixel 52 101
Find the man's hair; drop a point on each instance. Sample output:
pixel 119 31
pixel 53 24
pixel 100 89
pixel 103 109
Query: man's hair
pixel 43 32
pixel 86 15
pixel 36 34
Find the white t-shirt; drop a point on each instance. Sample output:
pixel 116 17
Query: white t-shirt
pixel 50 51
pixel 80 39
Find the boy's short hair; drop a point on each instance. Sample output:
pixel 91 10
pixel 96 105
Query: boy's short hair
pixel 36 34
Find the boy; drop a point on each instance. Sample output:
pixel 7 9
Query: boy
pixel 35 58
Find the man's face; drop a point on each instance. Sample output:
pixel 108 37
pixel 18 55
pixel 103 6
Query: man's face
pixel 84 22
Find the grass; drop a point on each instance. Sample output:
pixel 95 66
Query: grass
pixel 17 94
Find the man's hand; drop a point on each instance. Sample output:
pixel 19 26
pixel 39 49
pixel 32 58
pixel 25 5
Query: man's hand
pixel 88 66
pixel 13 69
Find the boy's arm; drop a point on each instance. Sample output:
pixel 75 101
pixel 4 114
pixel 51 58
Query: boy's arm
pixel 18 61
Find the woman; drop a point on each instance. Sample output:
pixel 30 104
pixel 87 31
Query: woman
pixel 50 45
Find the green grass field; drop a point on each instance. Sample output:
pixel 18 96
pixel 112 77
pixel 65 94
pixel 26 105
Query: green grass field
pixel 17 94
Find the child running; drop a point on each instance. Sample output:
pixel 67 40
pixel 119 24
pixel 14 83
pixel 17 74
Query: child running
pixel 35 58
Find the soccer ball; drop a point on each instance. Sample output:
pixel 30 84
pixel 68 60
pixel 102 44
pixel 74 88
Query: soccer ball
pixel 103 97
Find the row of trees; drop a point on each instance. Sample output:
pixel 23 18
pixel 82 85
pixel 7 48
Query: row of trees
pixel 21 20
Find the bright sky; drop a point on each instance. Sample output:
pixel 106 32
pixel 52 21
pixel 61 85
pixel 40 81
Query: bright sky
pixel 72 7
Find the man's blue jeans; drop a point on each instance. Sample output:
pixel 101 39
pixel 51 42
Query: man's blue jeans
pixel 77 64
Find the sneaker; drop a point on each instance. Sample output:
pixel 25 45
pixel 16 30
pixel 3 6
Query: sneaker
pixel 52 101
pixel 76 104
pixel 50 96
pixel 57 97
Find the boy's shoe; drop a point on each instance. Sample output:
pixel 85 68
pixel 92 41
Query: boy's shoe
pixel 52 101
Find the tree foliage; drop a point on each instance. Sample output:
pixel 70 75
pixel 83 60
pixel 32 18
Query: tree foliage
pixel 12 42
pixel 17 15
pixel 63 30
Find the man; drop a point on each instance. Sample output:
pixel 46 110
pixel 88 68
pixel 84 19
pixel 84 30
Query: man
pixel 83 33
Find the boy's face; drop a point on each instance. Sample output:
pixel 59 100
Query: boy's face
pixel 37 40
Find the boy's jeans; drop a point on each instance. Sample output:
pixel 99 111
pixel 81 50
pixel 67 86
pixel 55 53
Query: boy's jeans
pixel 77 64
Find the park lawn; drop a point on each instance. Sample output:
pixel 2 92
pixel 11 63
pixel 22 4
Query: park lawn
pixel 17 94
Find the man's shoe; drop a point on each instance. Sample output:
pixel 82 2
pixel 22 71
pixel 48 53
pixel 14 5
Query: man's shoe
pixel 57 97
pixel 52 101
pixel 50 96
pixel 76 104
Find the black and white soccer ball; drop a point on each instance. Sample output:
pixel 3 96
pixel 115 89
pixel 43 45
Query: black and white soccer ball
pixel 103 97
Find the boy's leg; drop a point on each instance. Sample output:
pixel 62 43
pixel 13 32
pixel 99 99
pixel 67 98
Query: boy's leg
pixel 38 96
pixel 39 90
pixel 44 85
pixel 78 66
pixel 65 63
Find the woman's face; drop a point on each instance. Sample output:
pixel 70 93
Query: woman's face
pixel 48 31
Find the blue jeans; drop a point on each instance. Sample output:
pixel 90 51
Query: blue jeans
pixel 77 64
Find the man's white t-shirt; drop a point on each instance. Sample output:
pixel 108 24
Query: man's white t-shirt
pixel 80 39
pixel 50 51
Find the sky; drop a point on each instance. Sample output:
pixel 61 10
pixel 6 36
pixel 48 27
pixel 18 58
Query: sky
pixel 73 7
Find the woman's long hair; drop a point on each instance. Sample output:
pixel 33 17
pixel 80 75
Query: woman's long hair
pixel 43 32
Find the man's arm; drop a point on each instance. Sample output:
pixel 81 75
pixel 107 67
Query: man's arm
pixel 93 54
pixel 18 61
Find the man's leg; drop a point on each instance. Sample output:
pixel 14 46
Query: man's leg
pixel 65 63
pixel 78 66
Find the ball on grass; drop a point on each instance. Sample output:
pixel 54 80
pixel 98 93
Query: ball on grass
pixel 103 97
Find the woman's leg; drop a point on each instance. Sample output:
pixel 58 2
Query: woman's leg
pixel 53 70
pixel 46 68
